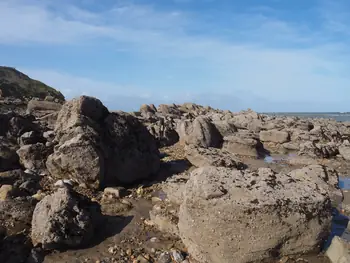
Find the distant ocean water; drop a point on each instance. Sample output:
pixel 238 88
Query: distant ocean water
pixel 338 116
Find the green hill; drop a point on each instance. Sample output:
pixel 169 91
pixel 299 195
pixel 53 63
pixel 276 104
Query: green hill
pixel 14 83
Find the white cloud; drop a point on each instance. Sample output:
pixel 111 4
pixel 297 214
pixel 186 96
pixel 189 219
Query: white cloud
pixel 305 63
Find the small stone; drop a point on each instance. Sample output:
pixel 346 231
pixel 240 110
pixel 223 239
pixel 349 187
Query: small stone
pixel 5 192
pixel 117 192
pixel 156 199
pixel 164 258
pixel 39 195
pixel 129 251
pixel 64 183
pixel 148 222
pixel 177 256
pixel 154 239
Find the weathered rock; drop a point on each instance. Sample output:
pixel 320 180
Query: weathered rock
pixel 201 132
pixel 147 110
pixel 15 215
pixel 200 157
pixel 274 136
pixel 245 118
pixel 250 216
pixel 339 251
pixel 243 145
pixel 33 156
pixel 79 159
pixel 62 220
pixel 225 128
pixel 164 131
pixel 99 148
pixel 318 150
pixel 291 146
pixel 345 152
pixel 37 105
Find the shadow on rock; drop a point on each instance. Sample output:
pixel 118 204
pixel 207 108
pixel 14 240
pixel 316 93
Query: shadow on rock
pixel 15 248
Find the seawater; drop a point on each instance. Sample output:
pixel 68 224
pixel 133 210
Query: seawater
pixel 338 116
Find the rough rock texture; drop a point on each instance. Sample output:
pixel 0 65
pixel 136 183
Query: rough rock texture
pixel 99 148
pixel 15 215
pixel 345 152
pixel 200 157
pixel 250 216
pixel 274 136
pixel 243 144
pixel 33 156
pixel 339 251
pixel 62 220
pixel 201 132
pixel 164 131
pixel 37 105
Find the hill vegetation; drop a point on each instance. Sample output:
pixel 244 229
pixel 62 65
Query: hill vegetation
pixel 14 83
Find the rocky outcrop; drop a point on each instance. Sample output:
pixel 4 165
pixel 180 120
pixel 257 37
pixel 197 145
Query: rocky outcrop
pixel 99 148
pixel 200 157
pixel 251 216
pixel 243 144
pixel 275 136
pixel 63 220
pixel 201 132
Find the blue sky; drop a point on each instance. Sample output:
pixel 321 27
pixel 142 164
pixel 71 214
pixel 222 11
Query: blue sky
pixel 268 55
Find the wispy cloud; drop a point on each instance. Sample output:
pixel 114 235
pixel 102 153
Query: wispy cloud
pixel 265 55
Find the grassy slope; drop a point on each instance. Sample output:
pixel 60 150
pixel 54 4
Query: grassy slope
pixel 14 83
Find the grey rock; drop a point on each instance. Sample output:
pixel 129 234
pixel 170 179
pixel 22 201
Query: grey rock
pixel 201 132
pixel 164 258
pixel 99 148
pixel 339 251
pixel 200 157
pixel 62 220
pixel 227 213
pixel 242 144
pixel 345 152
pixel 33 156
pixel 275 136
pixel 31 137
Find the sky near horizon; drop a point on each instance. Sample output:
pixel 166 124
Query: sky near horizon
pixel 268 55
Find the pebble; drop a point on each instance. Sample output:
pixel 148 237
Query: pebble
pixel 117 192
pixel 164 258
pixel 63 183
pixel 177 256
pixel 154 239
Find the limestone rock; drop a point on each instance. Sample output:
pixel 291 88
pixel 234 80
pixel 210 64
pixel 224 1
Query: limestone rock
pixel 62 220
pixel 339 251
pixel 201 132
pixel 249 216
pixel 200 157
pixel 99 148
pixel 242 144
pixel 274 136
pixel 33 156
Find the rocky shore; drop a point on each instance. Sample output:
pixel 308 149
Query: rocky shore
pixel 173 183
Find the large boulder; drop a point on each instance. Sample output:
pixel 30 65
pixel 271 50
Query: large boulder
pixel 251 216
pixel 63 220
pixel 275 136
pixel 201 132
pixel 99 148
